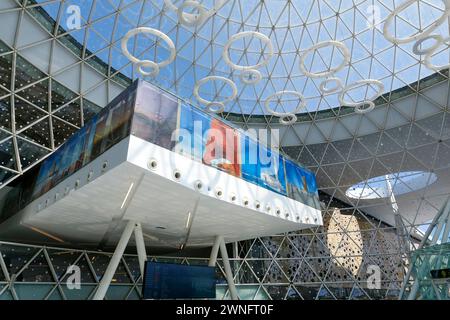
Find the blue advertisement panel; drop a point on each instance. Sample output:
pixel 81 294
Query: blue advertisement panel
pixel 299 180
pixel 311 182
pixel 262 166
pixel 271 170
pixel 249 159
pixel 193 128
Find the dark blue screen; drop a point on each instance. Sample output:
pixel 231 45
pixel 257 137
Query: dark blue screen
pixel 176 281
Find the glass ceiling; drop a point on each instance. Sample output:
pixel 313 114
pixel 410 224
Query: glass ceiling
pixel 293 26
pixel 401 183
pixel 48 103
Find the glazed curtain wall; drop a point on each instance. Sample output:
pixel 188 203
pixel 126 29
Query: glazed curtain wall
pixel 163 120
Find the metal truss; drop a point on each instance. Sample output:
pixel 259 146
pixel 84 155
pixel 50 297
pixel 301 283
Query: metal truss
pixel 30 272
pixel 44 99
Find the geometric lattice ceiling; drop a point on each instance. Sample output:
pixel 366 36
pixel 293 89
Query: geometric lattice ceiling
pixel 53 78
pixel 76 68
pixel 292 26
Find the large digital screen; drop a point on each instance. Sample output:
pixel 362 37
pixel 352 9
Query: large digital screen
pixel 176 281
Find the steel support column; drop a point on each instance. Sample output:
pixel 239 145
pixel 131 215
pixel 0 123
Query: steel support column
pixel 140 246
pixel 114 263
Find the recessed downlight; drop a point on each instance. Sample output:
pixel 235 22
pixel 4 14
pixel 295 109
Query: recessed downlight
pixel 152 164
pixel 176 175
pixel 198 185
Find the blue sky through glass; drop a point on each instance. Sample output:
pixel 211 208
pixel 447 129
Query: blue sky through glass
pixel 292 27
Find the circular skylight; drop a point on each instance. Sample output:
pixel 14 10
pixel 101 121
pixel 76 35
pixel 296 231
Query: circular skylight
pixel 400 183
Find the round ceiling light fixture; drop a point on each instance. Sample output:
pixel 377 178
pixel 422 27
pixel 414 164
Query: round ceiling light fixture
pixel 365 107
pixel 286 118
pixel 148 63
pixel 438 40
pixel 400 183
pixel 430 53
pixel 215 106
pixel 265 39
pixel 255 75
pixel 341 46
pixel 154 67
pixel 250 76
pixel 360 107
pixel 418 36
pixel 337 85
pixel 192 19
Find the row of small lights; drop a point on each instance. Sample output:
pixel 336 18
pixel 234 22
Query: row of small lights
pixel 153 164
pixel 198 185
pixel 77 185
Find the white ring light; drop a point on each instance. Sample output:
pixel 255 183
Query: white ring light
pixel 429 55
pixel 359 108
pixel 215 78
pixel 189 19
pixel 250 76
pixel 215 107
pixel 438 41
pixel 337 85
pixel 240 35
pixel 300 106
pixel 358 84
pixel 147 63
pixel 288 119
pixel 341 46
pixel 418 36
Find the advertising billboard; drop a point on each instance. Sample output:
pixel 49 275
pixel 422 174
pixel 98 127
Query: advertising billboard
pixel 107 128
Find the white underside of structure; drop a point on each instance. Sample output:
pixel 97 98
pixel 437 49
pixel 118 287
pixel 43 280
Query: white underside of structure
pixel 172 212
